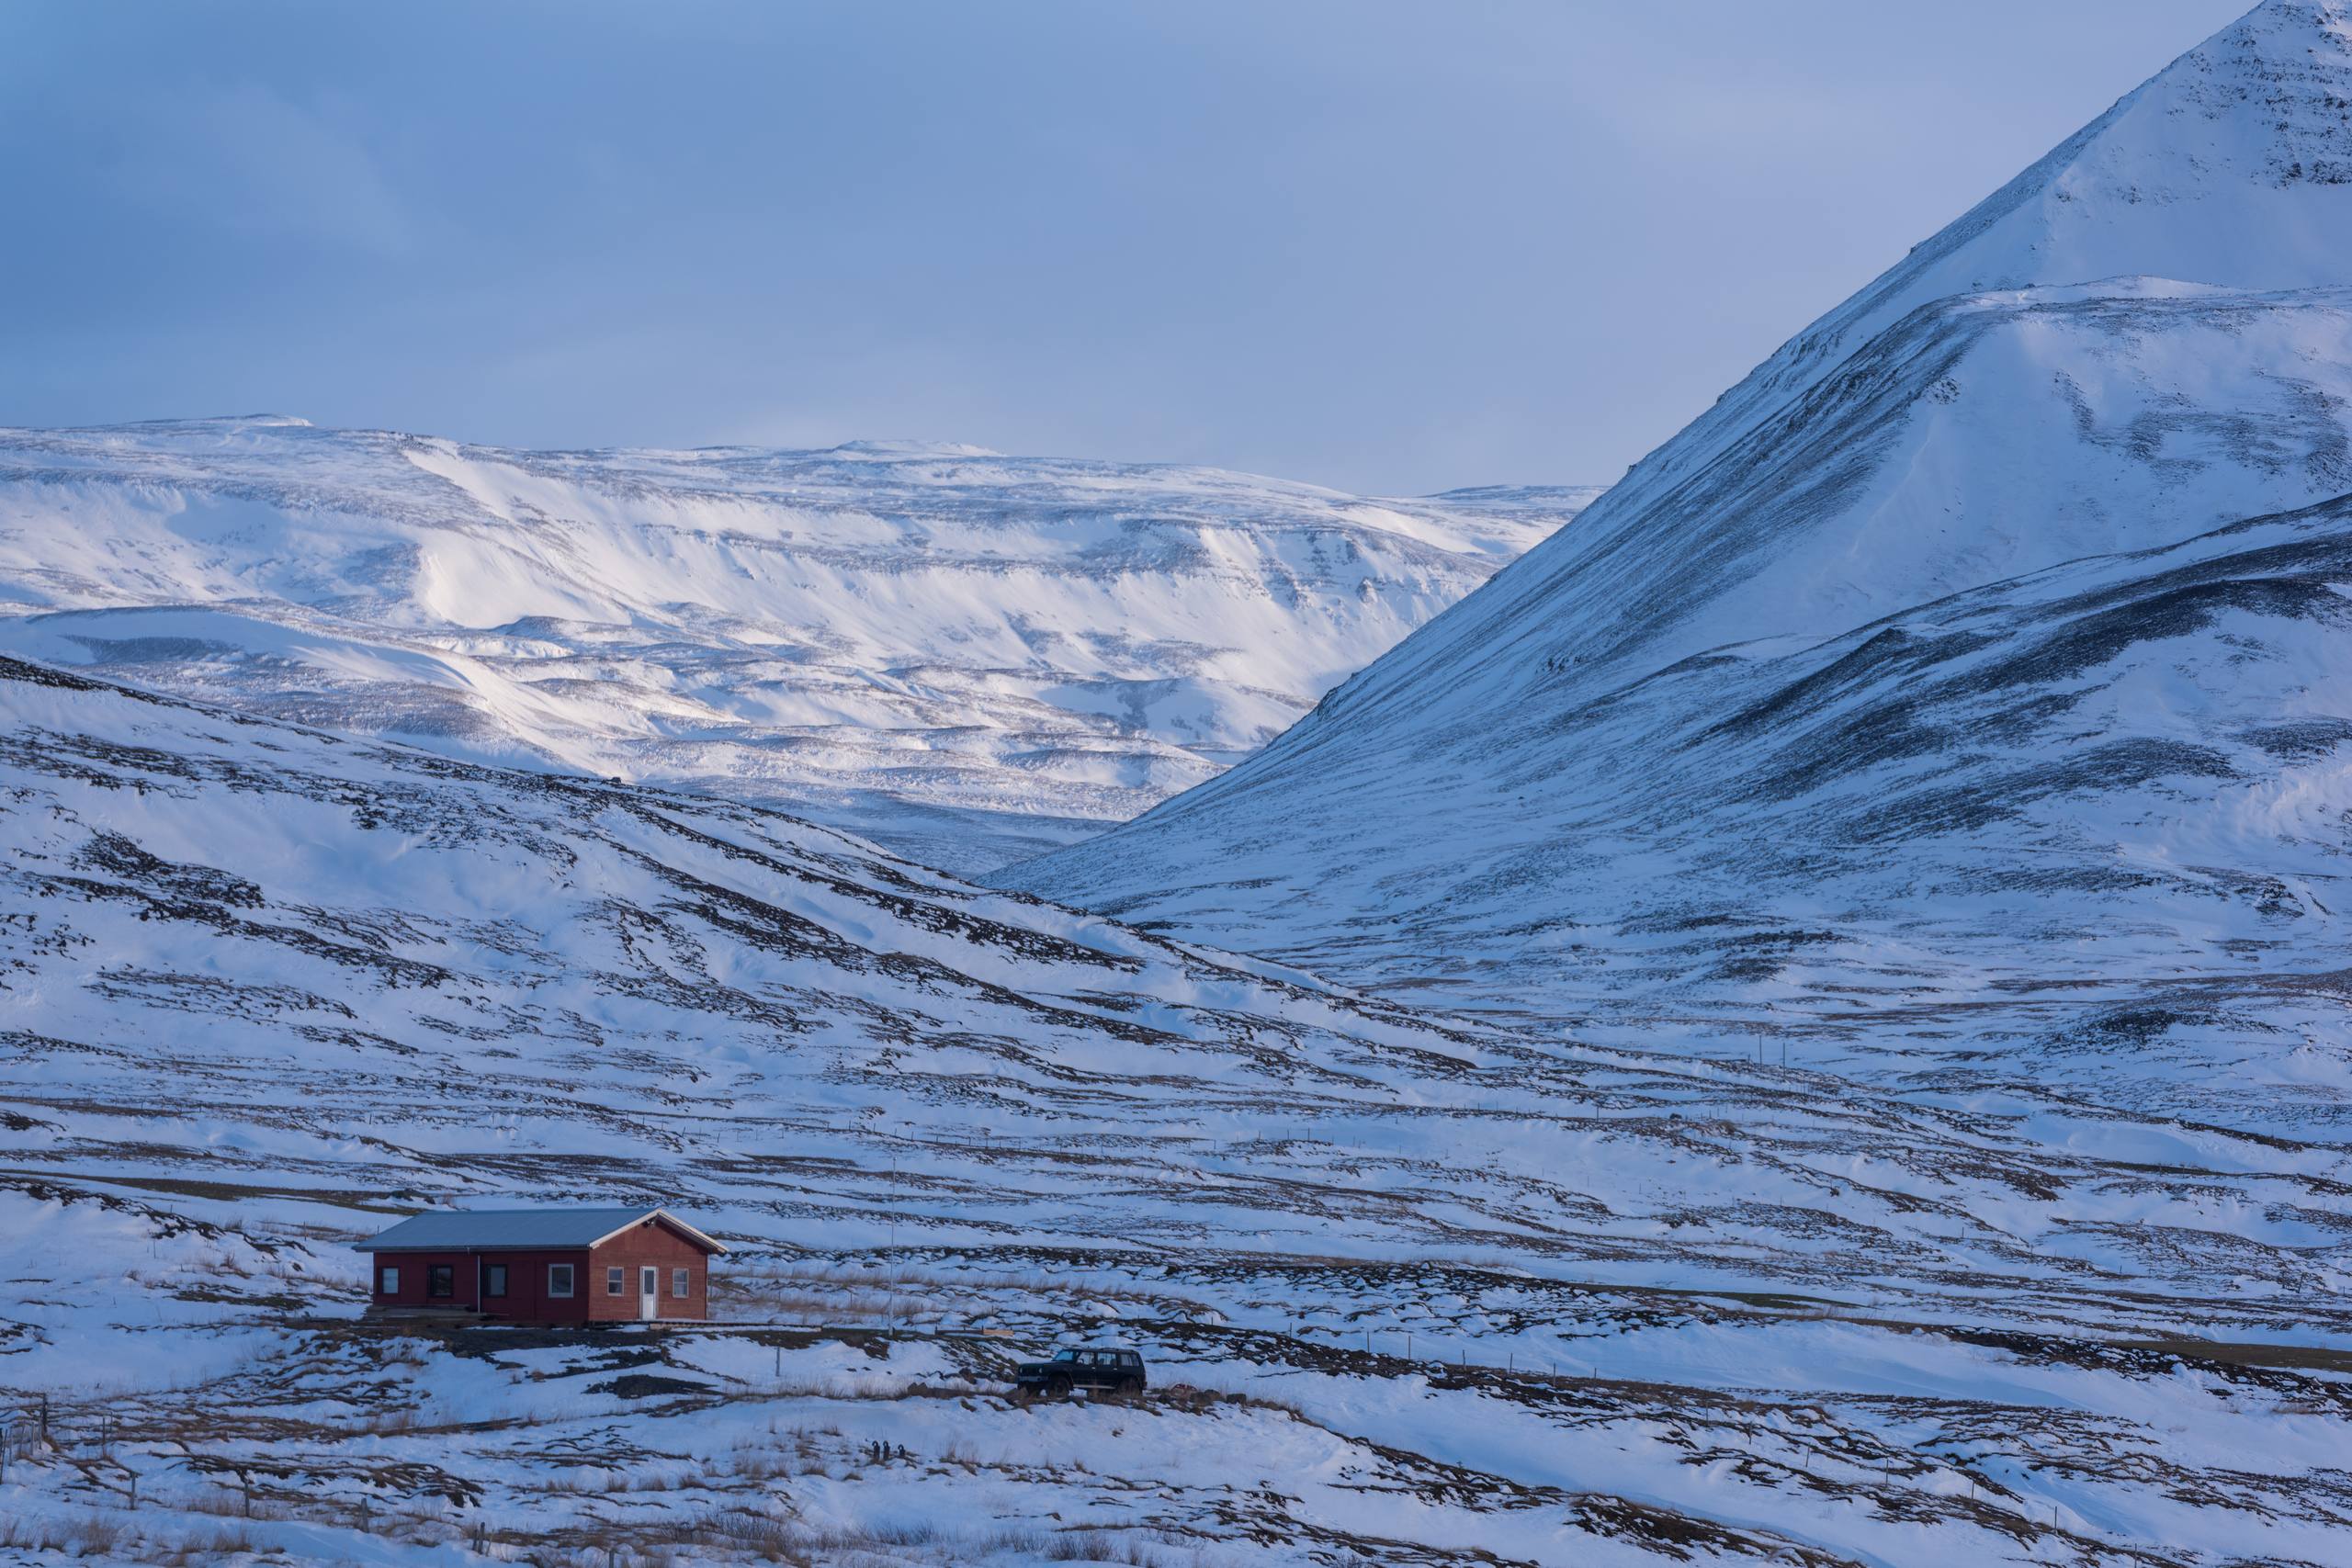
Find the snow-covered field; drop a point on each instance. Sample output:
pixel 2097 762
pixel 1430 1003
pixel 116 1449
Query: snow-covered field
pixel 1413 1289
pixel 969 656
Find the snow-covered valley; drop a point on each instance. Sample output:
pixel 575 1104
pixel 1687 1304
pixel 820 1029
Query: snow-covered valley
pixel 1435 1290
pixel 968 656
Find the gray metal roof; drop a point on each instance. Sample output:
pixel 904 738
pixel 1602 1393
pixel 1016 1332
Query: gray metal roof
pixel 501 1229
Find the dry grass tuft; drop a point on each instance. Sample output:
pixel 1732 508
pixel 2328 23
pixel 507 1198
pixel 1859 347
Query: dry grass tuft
pixel 98 1535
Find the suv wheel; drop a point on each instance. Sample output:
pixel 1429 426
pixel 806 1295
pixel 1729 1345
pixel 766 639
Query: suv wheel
pixel 1059 1385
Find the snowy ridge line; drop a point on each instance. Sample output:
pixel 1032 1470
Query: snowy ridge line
pixel 967 655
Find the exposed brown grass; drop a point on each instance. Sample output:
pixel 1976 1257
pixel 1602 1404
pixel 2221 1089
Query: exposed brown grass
pixel 776 1541
pixel 816 1293
pixel 98 1535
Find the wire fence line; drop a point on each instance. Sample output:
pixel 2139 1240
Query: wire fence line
pixel 34 1427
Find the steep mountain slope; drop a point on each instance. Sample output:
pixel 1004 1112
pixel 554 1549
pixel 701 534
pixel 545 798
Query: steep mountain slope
pixel 967 655
pixel 1965 694
pixel 1443 1293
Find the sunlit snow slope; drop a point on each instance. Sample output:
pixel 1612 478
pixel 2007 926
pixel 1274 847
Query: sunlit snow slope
pixel 1969 692
pixel 965 655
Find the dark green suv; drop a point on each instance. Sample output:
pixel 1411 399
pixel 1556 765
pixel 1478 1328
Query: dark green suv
pixel 1112 1372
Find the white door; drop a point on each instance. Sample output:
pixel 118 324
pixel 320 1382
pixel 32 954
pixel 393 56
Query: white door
pixel 649 1293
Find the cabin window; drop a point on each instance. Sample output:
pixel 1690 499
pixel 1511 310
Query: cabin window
pixel 678 1283
pixel 441 1282
pixel 558 1279
pixel 615 1283
pixel 387 1281
pixel 493 1279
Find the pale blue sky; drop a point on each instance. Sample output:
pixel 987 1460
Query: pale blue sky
pixel 1385 246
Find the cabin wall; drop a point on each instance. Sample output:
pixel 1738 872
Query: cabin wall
pixel 527 1286
pixel 526 1299
pixel 654 1243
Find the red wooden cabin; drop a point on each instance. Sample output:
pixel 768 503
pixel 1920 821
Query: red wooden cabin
pixel 573 1266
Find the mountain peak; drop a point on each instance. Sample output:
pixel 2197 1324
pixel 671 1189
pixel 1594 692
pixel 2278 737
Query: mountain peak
pixel 2264 99
pixel 2228 166
pixel 2253 127
pixel 1964 636
pixel 2230 169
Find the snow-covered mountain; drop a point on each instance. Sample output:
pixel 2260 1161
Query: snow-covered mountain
pixel 1968 693
pixel 965 655
pixel 1962 705
pixel 1413 1290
